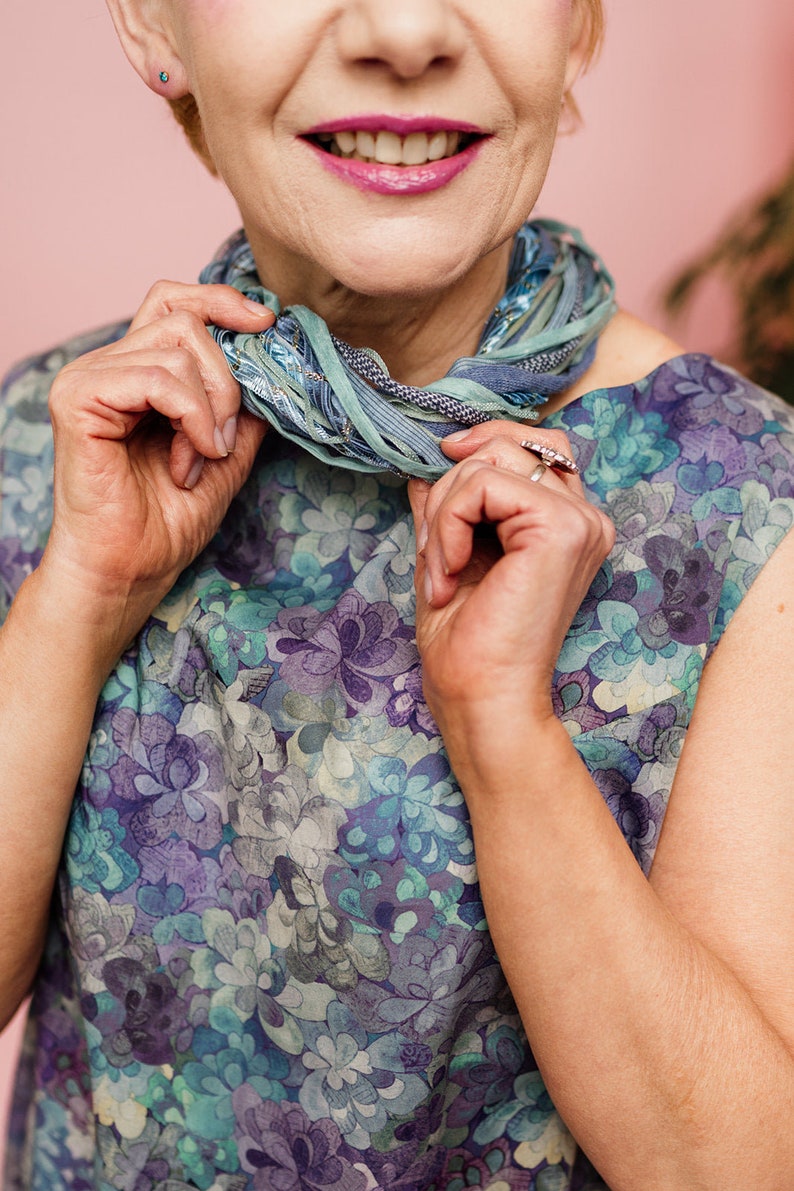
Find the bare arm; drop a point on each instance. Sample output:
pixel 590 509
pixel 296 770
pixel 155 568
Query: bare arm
pixel 134 502
pixel 50 682
pixel 659 1013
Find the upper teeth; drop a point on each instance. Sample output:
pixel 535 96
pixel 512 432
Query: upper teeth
pixel 387 148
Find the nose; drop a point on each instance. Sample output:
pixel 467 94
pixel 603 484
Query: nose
pixel 406 36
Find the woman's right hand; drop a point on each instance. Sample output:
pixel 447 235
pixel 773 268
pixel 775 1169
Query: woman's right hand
pixel 150 449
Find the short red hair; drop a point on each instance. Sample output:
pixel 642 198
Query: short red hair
pixel 594 32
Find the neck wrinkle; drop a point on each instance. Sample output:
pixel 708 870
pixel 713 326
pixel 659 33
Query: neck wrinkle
pixel 418 337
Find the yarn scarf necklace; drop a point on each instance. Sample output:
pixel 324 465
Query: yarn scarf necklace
pixel 340 403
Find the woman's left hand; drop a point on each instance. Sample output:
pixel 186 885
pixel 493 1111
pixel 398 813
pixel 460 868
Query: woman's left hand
pixel 493 609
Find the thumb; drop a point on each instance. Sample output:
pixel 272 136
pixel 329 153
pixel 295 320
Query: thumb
pixel 418 492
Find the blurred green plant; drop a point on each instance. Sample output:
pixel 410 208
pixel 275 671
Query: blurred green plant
pixel 755 256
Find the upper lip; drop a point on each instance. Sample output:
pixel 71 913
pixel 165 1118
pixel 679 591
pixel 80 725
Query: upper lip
pixel 401 125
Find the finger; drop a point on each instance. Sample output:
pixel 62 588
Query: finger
pixel 487 494
pixel 498 441
pixel 510 454
pixel 107 399
pixel 185 463
pixel 418 493
pixel 219 304
pixel 500 454
pixel 189 469
pixel 464 442
pixel 184 331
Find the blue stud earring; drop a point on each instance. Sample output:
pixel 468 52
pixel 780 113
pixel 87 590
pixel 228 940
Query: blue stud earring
pixel 164 76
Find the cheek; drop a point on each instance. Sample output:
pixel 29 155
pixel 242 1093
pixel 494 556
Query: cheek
pixel 198 20
pixel 207 10
pixel 529 50
pixel 247 56
pixel 222 37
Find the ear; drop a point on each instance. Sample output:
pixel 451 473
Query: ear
pixel 147 40
pixel 584 41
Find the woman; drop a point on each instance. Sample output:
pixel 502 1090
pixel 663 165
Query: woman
pixel 267 964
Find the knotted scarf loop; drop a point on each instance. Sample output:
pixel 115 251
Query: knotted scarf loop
pixel 340 402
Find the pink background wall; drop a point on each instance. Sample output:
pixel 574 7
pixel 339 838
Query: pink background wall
pixel 687 114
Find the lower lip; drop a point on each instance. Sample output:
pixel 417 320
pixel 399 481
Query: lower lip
pixel 398 179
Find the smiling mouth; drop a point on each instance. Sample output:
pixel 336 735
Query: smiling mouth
pixel 388 148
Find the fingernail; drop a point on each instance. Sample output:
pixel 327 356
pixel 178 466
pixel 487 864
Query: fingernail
pixel 255 307
pixel 428 588
pixel 230 433
pixel 193 475
pixel 421 540
pixel 457 436
pixel 220 443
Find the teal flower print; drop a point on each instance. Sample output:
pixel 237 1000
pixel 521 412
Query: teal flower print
pixel 417 813
pixel 623 650
pixel 484 1068
pixel 232 622
pixel 335 514
pixel 205 1089
pixel 95 854
pixel 396 898
pixel 523 1117
pixel 630 444
pixel 247 979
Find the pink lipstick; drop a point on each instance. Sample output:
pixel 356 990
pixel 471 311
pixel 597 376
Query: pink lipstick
pixel 401 125
pixel 396 154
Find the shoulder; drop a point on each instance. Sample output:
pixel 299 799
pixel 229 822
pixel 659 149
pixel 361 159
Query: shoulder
pixel 26 455
pixel 694 464
pixel 683 394
pixel 628 350
pixel 25 390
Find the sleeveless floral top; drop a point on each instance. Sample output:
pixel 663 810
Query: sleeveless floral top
pixel 268 966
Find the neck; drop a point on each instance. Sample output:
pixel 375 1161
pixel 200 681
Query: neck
pixel 418 336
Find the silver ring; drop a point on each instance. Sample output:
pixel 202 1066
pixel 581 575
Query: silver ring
pixel 551 457
pixel 539 472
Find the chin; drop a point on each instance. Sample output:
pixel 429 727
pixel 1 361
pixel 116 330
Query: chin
pixel 411 263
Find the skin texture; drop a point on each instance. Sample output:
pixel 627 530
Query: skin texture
pixel 703 952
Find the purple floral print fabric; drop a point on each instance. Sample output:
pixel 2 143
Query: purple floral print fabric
pixel 268 965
